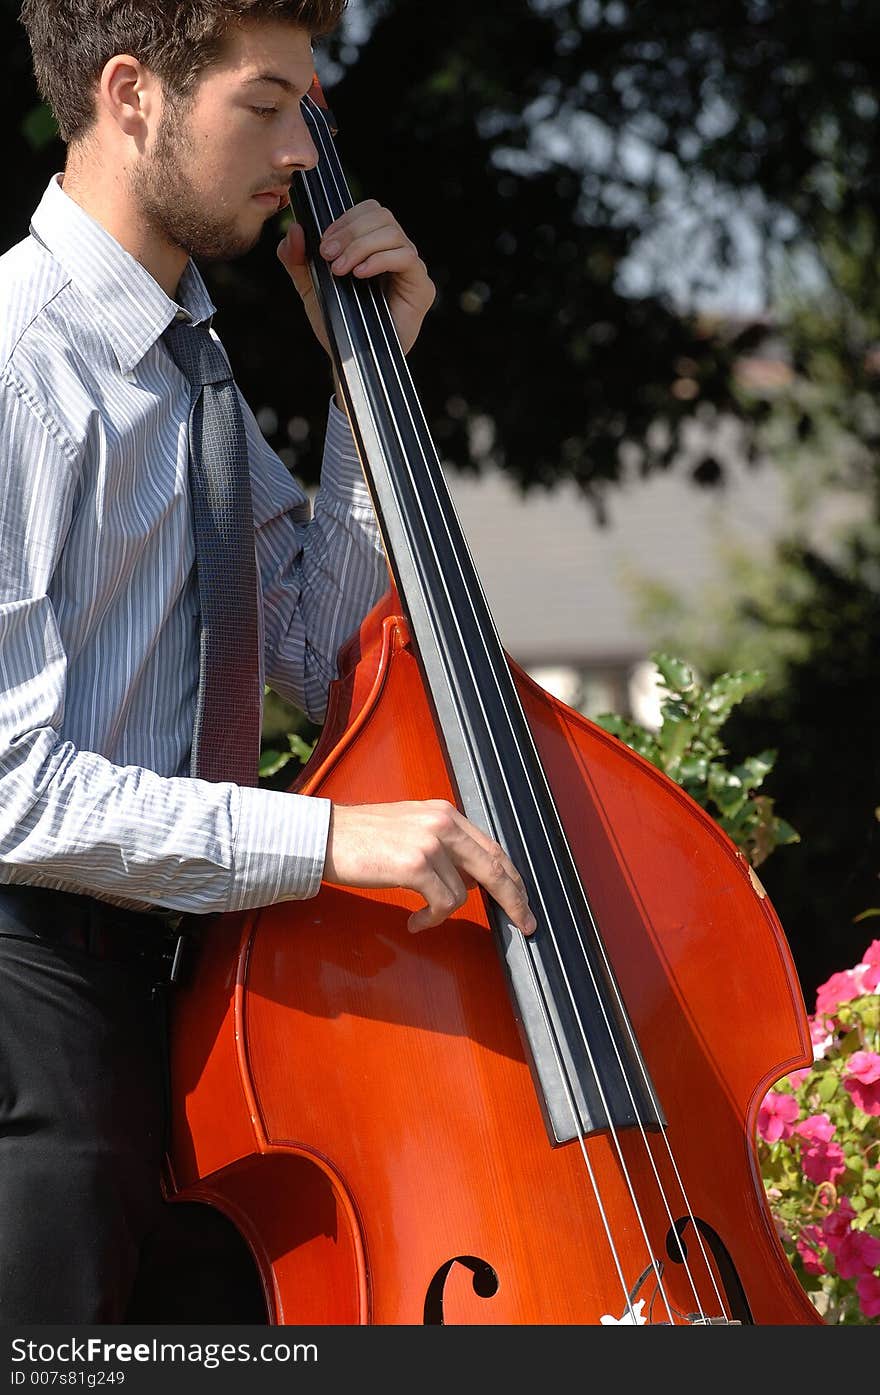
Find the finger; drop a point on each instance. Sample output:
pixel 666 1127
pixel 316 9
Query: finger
pixel 508 890
pixel 486 861
pixel 292 255
pixel 382 232
pixel 362 217
pixel 477 855
pixel 354 250
pixel 292 248
pixel 405 265
pixel 378 240
pixel 444 892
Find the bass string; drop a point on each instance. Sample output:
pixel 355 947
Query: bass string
pixel 331 159
pixel 525 789
pixel 508 698
pixel 337 291
pixel 559 1064
pixel 319 126
pixel 514 802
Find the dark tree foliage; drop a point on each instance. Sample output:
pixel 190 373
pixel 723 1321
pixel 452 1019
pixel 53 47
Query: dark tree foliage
pixel 522 224
pixel 529 329
pixel 823 724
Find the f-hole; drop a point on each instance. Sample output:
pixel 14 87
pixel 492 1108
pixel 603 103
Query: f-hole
pixel 485 1284
pixel 733 1289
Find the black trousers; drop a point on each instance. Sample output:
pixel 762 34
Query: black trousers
pixel 82 1114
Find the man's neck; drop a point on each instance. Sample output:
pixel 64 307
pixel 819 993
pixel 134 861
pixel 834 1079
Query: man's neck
pixel 106 200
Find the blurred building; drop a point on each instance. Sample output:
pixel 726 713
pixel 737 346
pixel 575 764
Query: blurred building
pixel 564 590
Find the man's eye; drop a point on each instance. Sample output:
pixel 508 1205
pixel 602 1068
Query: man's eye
pixel 264 111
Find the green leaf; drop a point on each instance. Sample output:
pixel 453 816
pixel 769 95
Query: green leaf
pixel 851 1042
pixel 299 747
pixel 694 769
pixel 646 746
pixel 678 677
pixel 784 833
pixel 728 690
pixel 618 726
pixel 271 762
pixel 727 790
pixel 675 735
pixel 827 1087
pixel 754 769
pixel 638 738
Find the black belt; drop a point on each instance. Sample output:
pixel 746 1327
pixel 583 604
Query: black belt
pixel 146 940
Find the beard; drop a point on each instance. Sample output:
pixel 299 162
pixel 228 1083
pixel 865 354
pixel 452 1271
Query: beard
pixel 169 203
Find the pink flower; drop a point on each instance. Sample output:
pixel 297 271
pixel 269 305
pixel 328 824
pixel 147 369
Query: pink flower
pixel 862 1079
pixel 797 1078
pixel 809 1245
pixel 823 1162
pixel 868 1289
pixel 817 1126
pixel 836 1225
pixel 839 988
pixel 842 987
pixel 857 1255
pixel 868 970
pixel 776 1116
pixel 820 1037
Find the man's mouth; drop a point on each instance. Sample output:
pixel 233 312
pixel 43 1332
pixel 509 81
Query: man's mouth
pixel 278 197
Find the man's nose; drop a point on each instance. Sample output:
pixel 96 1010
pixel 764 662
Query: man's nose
pixel 299 151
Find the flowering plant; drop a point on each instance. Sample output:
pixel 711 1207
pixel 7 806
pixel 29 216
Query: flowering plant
pixel 819 1150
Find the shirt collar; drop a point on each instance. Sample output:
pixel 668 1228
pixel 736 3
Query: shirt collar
pixel 129 304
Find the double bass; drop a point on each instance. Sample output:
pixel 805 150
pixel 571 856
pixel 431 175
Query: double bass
pixel 468 1126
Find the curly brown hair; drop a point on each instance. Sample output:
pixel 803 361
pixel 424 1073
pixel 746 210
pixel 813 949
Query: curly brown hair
pixel 72 40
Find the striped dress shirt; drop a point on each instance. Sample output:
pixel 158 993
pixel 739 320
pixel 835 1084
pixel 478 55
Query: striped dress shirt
pixel 99 621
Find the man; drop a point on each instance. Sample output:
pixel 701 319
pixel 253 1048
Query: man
pixel 184 129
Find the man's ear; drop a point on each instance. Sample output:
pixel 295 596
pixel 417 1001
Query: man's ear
pixel 129 94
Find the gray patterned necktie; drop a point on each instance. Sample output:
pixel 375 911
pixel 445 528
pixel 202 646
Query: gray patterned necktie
pixel 226 734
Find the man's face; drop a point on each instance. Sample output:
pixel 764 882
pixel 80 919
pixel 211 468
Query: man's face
pixel 202 180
